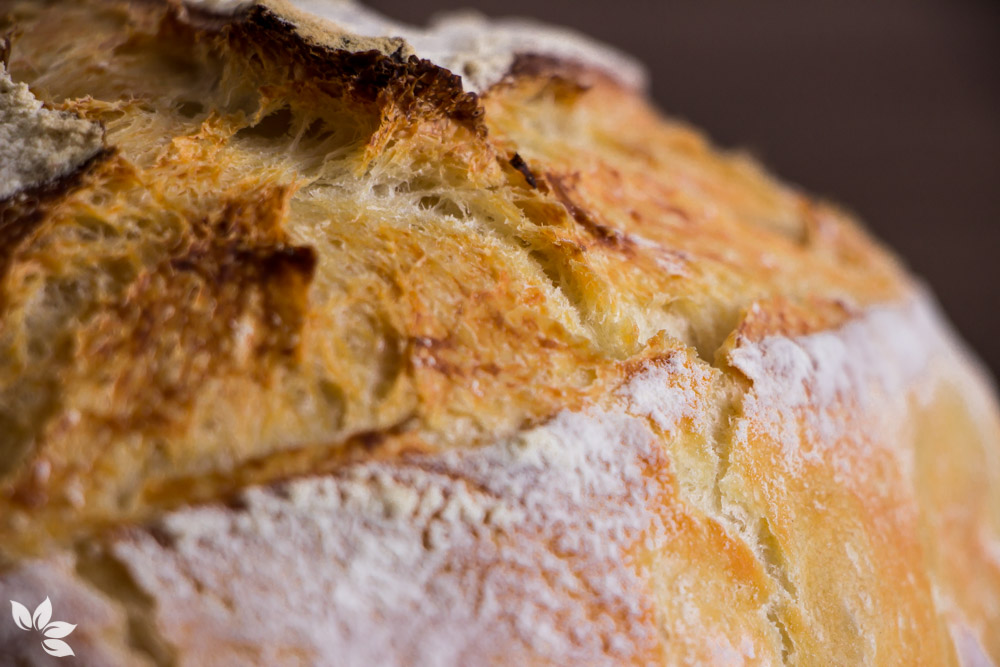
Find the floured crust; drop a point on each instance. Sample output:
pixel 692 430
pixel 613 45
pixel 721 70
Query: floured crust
pixel 337 350
pixel 39 146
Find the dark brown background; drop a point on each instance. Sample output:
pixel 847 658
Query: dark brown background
pixel 891 108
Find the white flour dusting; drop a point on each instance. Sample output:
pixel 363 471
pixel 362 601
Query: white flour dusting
pixel 655 393
pixel 868 367
pixel 513 549
pixel 39 145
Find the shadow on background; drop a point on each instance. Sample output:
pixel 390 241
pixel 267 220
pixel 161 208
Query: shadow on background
pixel 891 109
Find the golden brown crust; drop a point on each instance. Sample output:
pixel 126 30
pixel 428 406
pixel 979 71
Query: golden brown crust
pixel 560 380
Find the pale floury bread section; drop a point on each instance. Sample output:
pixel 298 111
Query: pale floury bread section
pixel 331 340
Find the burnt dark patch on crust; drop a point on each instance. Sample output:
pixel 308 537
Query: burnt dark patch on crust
pixel 567 79
pixel 32 491
pixel 370 440
pixel 231 298
pixel 518 163
pixel 24 212
pixel 395 84
pixel 5 43
pixel 563 189
pixel 538 65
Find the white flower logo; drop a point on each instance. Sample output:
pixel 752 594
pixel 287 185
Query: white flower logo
pixel 54 631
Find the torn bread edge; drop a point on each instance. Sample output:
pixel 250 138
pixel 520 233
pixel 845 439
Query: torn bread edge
pixel 482 51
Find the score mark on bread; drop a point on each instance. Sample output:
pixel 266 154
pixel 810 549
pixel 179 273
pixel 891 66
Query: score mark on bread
pixel 326 338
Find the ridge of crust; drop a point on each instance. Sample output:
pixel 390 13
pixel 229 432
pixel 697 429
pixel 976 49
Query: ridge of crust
pixel 479 50
pixel 377 71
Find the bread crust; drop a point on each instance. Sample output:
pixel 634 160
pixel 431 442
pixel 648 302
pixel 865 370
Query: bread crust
pixel 319 350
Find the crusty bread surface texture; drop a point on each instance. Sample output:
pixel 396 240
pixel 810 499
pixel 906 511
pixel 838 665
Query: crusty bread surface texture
pixel 326 340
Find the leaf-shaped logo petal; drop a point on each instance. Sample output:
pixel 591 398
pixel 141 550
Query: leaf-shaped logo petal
pixel 58 629
pixel 57 647
pixel 43 614
pixel 21 615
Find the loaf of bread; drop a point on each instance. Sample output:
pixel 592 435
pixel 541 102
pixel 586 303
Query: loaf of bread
pixel 326 340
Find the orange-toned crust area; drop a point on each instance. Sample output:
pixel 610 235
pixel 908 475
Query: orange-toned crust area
pixel 293 259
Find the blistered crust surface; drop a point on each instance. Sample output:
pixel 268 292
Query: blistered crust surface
pixel 497 360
